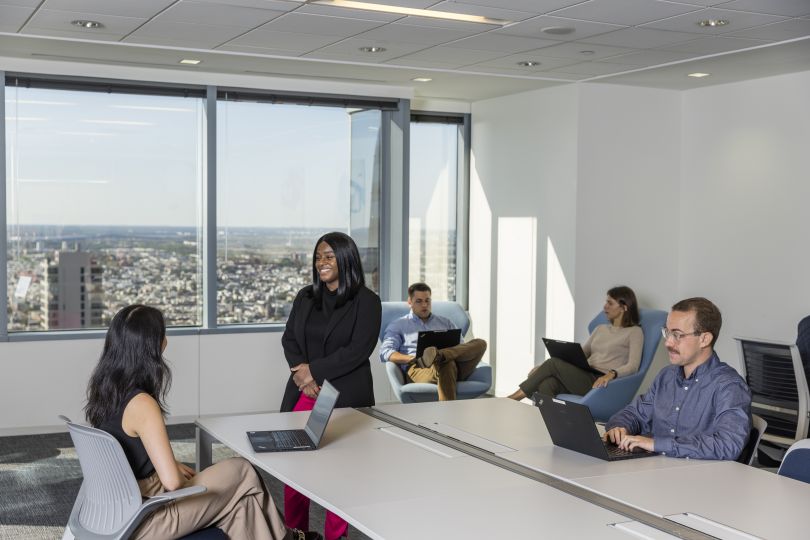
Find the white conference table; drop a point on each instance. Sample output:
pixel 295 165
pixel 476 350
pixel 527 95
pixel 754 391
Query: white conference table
pixel 729 494
pixel 386 486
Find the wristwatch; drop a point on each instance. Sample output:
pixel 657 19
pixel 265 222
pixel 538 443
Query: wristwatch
pixel 615 374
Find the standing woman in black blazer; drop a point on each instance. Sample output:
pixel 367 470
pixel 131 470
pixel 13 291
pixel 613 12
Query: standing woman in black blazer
pixel 330 334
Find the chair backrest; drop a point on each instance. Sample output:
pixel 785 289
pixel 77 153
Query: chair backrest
pixel 749 451
pixel 776 377
pixel 796 463
pixel 451 310
pixel 803 344
pixel 110 493
pixel 651 321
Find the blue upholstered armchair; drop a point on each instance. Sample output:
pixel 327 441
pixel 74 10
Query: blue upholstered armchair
pixel 478 383
pixel 604 402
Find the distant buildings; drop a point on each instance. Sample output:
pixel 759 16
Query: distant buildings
pixel 72 293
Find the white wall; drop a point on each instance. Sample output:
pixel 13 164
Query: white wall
pixel 522 195
pixel 745 191
pixel 212 374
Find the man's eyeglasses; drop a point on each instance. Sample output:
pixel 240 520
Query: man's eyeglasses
pixel 676 335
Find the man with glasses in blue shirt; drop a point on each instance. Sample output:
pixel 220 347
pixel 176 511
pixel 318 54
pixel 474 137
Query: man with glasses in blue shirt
pixel 698 407
pixel 442 367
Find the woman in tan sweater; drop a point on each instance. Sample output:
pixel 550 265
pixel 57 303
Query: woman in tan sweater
pixel 613 349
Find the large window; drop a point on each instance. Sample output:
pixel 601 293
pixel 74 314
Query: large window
pixel 103 190
pixel 434 181
pixel 287 174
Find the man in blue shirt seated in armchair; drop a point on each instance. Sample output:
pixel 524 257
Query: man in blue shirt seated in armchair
pixel 442 367
pixel 698 407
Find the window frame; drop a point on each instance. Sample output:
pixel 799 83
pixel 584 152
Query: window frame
pixel 395 158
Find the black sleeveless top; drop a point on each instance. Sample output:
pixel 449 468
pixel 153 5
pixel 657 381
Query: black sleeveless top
pixel 133 447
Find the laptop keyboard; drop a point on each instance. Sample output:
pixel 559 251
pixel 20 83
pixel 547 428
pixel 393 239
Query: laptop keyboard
pixel 617 453
pixel 290 439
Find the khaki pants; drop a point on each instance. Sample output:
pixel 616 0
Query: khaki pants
pixel 451 365
pixel 236 502
pixel 555 376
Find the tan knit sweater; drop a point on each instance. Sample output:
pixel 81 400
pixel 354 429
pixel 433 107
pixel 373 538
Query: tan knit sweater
pixel 612 347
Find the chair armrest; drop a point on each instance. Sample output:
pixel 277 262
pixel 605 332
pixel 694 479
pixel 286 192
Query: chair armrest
pixel 395 377
pixel 178 493
pixel 483 374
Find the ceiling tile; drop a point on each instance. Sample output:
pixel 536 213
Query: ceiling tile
pixel 788 8
pixel 511 61
pixel 406 33
pixel 217 14
pixel 257 50
pixel 21 3
pixel 290 41
pixel 275 5
pixel 501 42
pixel 124 8
pixel 304 23
pixel 640 38
pixel 592 68
pixel 349 49
pixel 533 27
pixel 177 34
pixel 457 57
pixel 737 20
pixel 46 19
pixel 713 45
pixel 582 51
pixel 471 27
pixel 624 12
pixel 485 11
pixel 790 29
pixel 648 58
pixel 407 61
pixel 13 17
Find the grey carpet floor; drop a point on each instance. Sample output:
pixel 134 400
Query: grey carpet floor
pixel 40 476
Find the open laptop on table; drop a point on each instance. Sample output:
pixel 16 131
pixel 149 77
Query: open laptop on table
pixel 441 339
pixel 290 440
pixel 570 352
pixel 571 426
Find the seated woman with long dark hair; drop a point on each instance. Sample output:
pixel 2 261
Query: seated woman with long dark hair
pixel 613 349
pixel 126 398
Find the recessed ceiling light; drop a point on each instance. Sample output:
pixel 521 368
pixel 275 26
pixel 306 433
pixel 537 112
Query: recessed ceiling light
pixel 190 61
pixel 422 79
pixel 587 53
pixel 698 75
pixel 400 10
pixel 372 49
pixel 557 30
pixel 528 63
pixel 87 24
pixel 712 22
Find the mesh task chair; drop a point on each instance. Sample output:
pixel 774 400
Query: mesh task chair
pixel 478 383
pixel 749 451
pixel 605 402
pixel 778 383
pixel 109 505
pixel 796 463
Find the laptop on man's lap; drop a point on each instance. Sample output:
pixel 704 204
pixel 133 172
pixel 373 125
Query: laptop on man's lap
pixel 293 440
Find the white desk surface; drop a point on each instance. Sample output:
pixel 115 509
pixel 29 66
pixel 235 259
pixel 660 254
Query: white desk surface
pixel 379 482
pixel 742 497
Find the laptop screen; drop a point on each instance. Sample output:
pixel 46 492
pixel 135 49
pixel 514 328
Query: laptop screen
pixel 320 414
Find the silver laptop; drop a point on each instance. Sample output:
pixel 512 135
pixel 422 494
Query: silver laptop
pixel 293 440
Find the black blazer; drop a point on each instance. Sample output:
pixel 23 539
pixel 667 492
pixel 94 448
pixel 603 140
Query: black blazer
pixel 351 336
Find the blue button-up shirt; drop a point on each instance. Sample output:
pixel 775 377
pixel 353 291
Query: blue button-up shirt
pixel 402 333
pixel 707 416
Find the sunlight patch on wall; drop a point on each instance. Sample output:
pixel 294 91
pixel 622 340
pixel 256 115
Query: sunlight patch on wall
pixel 480 260
pixel 517 241
pixel 559 300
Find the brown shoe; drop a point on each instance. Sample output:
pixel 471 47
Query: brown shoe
pixel 297 534
pixel 428 357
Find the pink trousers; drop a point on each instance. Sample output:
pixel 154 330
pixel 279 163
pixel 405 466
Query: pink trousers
pixel 296 506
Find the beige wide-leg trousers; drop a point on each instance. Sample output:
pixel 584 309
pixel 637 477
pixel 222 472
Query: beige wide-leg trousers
pixel 236 502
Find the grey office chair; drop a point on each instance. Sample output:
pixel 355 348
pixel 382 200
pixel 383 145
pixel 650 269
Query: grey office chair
pixel 109 505
pixel 796 463
pixel 749 451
